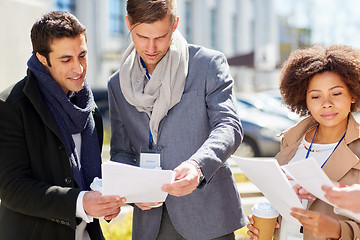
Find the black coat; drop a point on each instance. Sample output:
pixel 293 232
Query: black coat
pixel 37 189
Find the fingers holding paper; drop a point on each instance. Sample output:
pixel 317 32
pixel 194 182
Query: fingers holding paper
pixel 97 205
pixel 317 224
pixel 148 206
pixel 344 197
pixel 302 193
pixel 186 180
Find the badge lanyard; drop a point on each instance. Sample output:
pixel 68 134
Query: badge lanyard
pixel 308 152
pixel 150 140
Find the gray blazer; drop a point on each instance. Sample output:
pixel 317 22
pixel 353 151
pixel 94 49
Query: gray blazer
pixel 203 126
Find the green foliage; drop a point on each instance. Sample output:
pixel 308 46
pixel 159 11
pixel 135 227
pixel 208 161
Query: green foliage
pixel 107 134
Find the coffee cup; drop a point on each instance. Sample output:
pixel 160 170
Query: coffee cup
pixel 264 215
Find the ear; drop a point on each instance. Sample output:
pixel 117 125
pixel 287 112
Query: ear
pixel 128 23
pixel 176 24
pixel 353 99
pixel 42 59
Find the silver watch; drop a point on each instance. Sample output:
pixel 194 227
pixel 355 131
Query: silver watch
pixel 196 164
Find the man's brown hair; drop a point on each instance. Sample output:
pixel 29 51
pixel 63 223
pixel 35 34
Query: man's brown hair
pixel 150 11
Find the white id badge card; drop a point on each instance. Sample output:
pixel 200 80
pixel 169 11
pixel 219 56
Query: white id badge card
pixel 150 160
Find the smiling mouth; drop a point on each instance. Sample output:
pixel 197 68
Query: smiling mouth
pixel 76 78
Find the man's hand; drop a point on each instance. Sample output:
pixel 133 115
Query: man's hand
pixel 344 197
pixel 147 206
pixel 98 206
pixel 186 180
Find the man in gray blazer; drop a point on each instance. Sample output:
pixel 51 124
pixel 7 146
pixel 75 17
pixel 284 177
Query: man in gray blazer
pixel 174 101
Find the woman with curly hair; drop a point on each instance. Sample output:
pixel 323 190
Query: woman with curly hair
pixel 324 85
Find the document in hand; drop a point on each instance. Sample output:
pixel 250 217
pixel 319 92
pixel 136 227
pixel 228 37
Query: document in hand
pixel 134 183
pixel 308 174
pixel 267 175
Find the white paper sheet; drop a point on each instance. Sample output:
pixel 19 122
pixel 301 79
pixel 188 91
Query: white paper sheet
pixel 267 175
pixel 134 183
pixel 308 174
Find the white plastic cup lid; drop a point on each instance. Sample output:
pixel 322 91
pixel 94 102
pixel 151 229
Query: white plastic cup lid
pixel 264 210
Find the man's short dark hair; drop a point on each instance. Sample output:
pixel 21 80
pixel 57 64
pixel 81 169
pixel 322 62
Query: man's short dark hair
pixel 54 25
pixel 150 11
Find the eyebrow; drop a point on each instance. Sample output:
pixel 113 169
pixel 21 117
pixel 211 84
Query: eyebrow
pixel 155 37
pixel 70 56
pixel 332 88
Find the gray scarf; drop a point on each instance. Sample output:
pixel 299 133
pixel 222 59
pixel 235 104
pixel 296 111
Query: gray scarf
pixel 166 86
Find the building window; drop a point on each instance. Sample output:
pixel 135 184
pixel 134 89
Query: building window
pixel 213 28
pixel 117 16
pixel 188 21
pixel 65 5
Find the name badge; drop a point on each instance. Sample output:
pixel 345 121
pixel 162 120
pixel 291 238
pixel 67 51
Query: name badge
pixel 150 160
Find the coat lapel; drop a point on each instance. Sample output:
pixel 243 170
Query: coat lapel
pixel 340 162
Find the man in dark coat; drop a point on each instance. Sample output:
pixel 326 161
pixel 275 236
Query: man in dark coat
pixel 50 141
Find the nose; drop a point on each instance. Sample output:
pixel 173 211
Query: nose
pixel 78 67
pixel 327 103
pixel 151 46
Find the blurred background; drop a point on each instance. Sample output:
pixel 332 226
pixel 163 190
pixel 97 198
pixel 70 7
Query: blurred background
pixel 255 35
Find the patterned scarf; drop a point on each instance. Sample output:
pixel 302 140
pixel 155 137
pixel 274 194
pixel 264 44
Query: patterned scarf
pixel 73 116
pixel 166 86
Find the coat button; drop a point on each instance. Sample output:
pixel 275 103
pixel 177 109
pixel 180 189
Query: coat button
pixel 159 147
pixel 67 180
pixel 61 147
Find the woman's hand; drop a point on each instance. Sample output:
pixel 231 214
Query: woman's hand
pixel 317 224
pixel 302 193
pixel 252 232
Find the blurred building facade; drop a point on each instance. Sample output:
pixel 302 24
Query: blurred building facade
pixel 238 28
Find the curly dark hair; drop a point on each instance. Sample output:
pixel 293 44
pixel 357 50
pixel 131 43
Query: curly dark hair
pixel 303 64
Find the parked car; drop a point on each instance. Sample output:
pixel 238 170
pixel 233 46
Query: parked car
pixel 270 102
pixel 261 131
